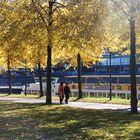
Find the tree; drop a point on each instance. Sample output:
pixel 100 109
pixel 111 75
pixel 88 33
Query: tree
pixel 83 33
pixel 130 9
pixel 34 50
pixel 47 11
pixel 10 27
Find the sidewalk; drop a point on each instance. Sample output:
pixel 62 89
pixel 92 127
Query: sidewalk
pixel 84 105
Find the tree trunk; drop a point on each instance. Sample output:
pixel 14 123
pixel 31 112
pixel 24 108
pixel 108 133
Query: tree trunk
pixel 49 52
pixel 49 72
pixel 40 79
pixel 134 100
pixel 9 77
pixel 25 91
pixel 79 77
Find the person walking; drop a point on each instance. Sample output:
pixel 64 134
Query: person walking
pixel 61 92
pixel 66 92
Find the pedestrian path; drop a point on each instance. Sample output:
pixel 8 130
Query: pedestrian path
pixel 98 106
pixel 84 105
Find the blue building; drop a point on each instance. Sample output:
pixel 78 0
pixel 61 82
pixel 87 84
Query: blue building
pixel 119 64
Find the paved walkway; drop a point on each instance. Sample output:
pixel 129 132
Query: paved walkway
pixel 84 105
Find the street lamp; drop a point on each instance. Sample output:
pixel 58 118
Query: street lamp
pixel 110 76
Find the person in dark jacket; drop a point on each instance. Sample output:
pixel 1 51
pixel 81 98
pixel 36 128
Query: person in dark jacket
pixel 66 92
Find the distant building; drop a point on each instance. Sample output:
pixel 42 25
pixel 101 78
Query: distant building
pixel 120 64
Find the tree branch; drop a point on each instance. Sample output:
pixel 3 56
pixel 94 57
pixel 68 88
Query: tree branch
pixel 118 4
pixel 41 16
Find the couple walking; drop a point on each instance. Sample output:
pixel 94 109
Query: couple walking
pixel 63 91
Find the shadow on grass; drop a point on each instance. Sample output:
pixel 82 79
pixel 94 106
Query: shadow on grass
pixel 5 95
pixel 8 106
pixel 53 122
pixel 77 99
pixel 39 97
pixel 108 101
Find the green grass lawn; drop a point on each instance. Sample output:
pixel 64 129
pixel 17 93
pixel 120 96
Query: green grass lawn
pixel 41 122
pixel 91 99
pixel 19 96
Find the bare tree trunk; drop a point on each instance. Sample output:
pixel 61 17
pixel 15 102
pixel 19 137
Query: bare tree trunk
pixel 49 52
pixel 9 77
pixel 79 77
pixel 49 72
pixel 134 100
pixel 40 79
pixel 25 78
pixel 25 89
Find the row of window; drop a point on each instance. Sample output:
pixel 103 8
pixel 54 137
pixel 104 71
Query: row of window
pixel 116 61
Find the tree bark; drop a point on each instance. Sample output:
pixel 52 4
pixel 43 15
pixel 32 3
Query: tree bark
pixel 49 72
pixel 134 100
pixel 25 80
pixel 49 52
pixel 25 89
pixel 79 77
pixel 9 77
pixel 40 79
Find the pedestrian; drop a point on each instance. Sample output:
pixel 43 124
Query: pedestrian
pixel 67 93
pixel 61 92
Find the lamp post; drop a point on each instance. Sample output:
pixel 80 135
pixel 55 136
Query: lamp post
pixel 110 76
